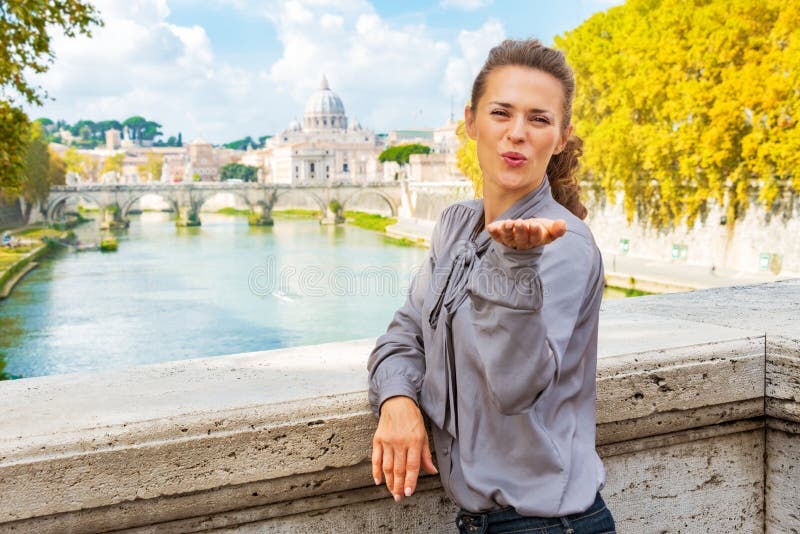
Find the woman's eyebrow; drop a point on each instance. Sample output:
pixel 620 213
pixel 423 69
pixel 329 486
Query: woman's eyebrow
pixel 506 105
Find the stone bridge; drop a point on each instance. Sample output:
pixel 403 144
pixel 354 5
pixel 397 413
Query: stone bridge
pixel 116 200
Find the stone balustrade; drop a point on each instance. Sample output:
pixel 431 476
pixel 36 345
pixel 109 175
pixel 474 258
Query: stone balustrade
pixel 698 418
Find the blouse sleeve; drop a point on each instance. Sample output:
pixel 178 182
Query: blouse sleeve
pixel 520 352
pixel 397 363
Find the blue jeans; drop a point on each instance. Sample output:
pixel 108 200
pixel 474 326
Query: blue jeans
pixel 596 519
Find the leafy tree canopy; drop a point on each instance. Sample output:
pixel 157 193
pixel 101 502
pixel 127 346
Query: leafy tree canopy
pixel 25 49
pixel 467 159
pixel 684 101
pixel 401 153
pixel 237 171
pixel 242 144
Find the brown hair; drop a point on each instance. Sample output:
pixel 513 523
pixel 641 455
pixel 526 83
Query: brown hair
pixel 531 53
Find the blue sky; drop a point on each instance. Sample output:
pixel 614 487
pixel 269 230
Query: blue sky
pixel 223 69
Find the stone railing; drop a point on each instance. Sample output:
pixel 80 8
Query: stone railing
pixel 698 424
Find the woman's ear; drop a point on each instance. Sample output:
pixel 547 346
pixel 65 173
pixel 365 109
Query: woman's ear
pixel 564 139
pixel 469 121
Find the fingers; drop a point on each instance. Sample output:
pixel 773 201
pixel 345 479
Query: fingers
pixel 388 468
pixel 377 460
pixel 524 234
pixel 413 460
pixel 427 460
pixel 399 473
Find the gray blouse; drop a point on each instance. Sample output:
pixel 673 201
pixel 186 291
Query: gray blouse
pixel 498 347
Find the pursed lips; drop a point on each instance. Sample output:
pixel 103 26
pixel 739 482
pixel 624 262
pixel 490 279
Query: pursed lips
pixel 514 159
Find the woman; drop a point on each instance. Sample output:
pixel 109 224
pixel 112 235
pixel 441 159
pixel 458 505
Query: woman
pixel 497 341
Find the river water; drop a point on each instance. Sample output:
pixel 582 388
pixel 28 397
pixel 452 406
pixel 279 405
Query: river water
pixel 223 288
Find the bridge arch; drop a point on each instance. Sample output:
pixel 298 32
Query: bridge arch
pixel 128 204
pixel 323 206
pixel 211 194
pixel 54 205
pixel 386 198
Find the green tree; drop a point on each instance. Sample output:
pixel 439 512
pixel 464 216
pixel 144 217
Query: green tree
pixel 36 185
pixel 14 131
pixel 681 102
pixel 25 48
pixel 241 144
pixel 401 153
pixel 237 171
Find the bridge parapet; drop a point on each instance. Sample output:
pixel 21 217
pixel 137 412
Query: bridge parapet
pixel 698 423
pixel 188 198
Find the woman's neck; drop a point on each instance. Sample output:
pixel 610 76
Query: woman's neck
pixel 497 200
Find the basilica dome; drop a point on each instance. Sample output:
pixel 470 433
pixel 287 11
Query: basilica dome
pixel 324 110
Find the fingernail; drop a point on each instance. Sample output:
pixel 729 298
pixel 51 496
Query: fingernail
pixel 377 482
pixel 397 498
pixel 408 492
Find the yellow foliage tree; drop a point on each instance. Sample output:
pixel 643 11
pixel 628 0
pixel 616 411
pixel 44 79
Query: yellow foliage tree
pixel 152 168
pixel 467 159
pixel 82 164
pixel 113 164
pixel 684 101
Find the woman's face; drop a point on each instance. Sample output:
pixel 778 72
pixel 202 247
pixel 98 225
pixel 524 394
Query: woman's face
pixel 517 125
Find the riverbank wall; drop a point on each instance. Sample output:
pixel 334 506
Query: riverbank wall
pixel 712 253
pixel 698 425
pixel 12 274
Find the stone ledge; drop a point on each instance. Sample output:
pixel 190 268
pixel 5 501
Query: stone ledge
pixel 280 440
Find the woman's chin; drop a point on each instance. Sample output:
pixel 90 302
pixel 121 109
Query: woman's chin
pixel 513 182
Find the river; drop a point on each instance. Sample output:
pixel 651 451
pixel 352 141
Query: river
pixel 224 288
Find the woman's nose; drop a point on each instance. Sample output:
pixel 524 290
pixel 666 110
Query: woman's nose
pixel 516 130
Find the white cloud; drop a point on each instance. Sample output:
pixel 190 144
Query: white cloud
pixel 389 75
pixel 467 5
pixel 474 47
pixel 366 59
pixel 138 63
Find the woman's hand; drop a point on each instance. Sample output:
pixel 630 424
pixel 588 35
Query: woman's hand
pixel 400 447
pixel 523 234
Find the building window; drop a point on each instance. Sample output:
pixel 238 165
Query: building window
pixel 324 122
pixel 312 166
pixel 344 168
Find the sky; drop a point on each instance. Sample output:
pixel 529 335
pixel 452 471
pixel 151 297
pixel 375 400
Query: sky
pixel 224 69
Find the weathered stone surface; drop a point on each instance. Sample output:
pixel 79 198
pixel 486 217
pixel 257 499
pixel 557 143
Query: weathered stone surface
pixel 281 439
pixel 783 377
pixel 709 485
pixel 770 308
pixel 646 383
pixel 783 477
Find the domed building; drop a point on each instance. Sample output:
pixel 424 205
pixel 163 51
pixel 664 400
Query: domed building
pixel 324 110
pixel 324 147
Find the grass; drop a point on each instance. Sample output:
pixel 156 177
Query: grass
pixel 369 221
pixel 295 214
pixel 401 241
pixel 628 292
pixel 233 211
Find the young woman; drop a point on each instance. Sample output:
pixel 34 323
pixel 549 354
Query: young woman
pixel 497 341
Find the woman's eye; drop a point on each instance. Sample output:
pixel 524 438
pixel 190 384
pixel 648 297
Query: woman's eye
pixel 541 119
pixel 500 113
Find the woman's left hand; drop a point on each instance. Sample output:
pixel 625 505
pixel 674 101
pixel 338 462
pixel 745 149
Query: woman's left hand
pixel 523 234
